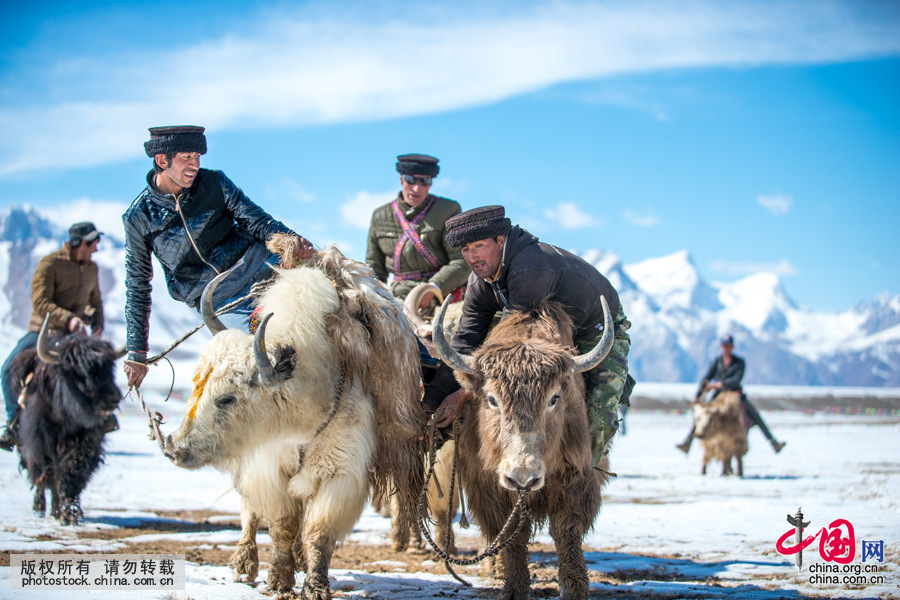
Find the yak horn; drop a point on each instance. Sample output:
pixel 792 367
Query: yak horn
pixel 120 352
pixel 411 304
pixel 267 373
pixel 450 356
pixel 206 308
pixel 51 357
pixel 588 361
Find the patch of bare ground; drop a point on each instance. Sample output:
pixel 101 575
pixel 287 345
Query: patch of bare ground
pixel 370 558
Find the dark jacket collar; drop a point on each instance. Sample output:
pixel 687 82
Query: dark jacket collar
pixel 154 191
pixel 517 240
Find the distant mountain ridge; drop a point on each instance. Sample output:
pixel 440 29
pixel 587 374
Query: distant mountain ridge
pixel 677 317
pixel 28 234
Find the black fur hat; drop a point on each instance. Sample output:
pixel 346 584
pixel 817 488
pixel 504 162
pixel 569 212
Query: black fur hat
pixel 476 224
pixel 175 138
pixel 417 164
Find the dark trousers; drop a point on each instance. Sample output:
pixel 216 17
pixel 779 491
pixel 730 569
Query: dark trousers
pixel 756 418
pixel 29 340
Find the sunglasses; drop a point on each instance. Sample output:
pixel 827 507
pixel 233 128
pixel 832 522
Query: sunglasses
pixel 412 180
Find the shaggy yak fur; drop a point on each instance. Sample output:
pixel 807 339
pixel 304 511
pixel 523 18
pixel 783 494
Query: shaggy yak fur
pixel 62 426
pixel 341 345
pixel 527 425
pixel 442 511
pixel 721 426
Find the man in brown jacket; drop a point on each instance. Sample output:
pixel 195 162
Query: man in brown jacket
pixel 65 286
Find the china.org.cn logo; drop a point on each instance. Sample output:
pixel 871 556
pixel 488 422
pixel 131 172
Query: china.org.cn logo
pixel 837 547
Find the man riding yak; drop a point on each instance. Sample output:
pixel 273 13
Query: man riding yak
pixel 198 224
pixel 65 286
pixel 724 374
pixel 512 269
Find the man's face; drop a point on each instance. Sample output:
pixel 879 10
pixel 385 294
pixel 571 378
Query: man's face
pixel 414 189
pixel 83 252
pixel 484 256
pixel 727 348
pixel 183 169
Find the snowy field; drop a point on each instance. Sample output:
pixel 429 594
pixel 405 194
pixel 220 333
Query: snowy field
pixel 664 531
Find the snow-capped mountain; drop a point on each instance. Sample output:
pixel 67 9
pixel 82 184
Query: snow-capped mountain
pixel 677 317
pixel 27 235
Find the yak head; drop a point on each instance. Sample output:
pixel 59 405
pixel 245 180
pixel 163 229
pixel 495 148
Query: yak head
pixel 80 371
pixel 528 393
pixel 709 417
pixel 243 395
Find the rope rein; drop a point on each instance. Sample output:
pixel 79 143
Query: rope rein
pixel 224 309
pixel 520 513
pixel 157 419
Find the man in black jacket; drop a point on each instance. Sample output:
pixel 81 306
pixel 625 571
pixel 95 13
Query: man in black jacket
pixel 512 269
pixel 724 374
pixel 198 224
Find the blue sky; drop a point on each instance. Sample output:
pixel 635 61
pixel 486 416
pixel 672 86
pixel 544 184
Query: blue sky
pixel 761 136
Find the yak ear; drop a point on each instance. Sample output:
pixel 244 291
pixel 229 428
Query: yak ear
pixel 285 361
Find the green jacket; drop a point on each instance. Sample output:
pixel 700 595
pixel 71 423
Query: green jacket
pixel 64 288
pixel 385 231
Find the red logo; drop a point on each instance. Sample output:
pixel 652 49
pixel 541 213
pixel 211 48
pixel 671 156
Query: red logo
pixel 835 544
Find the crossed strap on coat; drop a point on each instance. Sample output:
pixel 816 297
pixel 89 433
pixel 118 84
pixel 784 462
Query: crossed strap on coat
pixel 409 233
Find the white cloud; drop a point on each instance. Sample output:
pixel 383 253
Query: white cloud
pixel 357 211
pixel 289 190
pixel 782 267
pixel 324 64
pixel 569 216
pixel 777 204
pixel 647 219
pixel 105 215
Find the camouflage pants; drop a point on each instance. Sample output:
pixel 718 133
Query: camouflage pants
pixel 604 385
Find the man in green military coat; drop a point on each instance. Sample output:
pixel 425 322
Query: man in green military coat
pixel 406 237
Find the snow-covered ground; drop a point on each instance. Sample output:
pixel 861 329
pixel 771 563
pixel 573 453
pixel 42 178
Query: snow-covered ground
pixel 685 535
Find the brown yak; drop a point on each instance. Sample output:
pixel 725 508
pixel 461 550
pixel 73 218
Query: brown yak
pixel 721 426
pixel 527 428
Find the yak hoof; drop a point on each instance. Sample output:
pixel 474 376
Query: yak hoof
pixel 40 504
pixel 316 592
pixel 70 513
pixel 571 595
pixel 510 593
pixel 280 579
pixel 245 561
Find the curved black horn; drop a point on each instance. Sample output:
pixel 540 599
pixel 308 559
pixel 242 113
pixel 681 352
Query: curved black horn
pixel 206 308
pixel 51 357
pixel 267 373
pixel 588 361
pixel 450 356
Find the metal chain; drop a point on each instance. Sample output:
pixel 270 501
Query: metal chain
pixel 520 514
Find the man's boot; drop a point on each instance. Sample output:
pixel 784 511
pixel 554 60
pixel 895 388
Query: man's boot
pixel 10 436
pixel 777 446
pixel 685 446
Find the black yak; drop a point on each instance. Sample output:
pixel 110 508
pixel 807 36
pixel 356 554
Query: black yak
pixel 68 405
